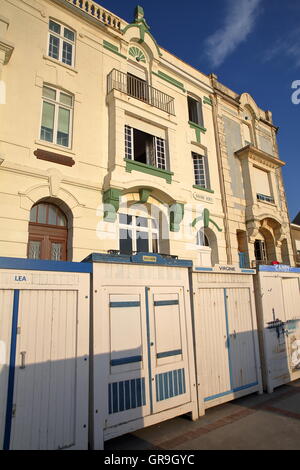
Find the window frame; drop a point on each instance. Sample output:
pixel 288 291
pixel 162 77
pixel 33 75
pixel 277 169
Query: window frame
pixel 160 148
pixel 57 105
pixel 60 36
pixel 197 156
pixel 197 102
pixel 150 230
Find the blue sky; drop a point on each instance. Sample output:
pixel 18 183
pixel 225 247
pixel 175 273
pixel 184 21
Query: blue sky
pixel 252 45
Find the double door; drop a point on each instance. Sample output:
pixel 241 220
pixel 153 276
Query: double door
pixel 281 306
pixel 146 367
pixel 226 342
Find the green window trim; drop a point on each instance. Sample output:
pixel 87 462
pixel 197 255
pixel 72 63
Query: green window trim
pixel 203 189
pixel 112 48
pixel 193 125
pixel 132 165
pixel 198 129
pixel 169 79
pixel 207 100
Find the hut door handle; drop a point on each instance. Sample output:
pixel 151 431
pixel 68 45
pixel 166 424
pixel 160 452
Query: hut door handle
pixel 23 355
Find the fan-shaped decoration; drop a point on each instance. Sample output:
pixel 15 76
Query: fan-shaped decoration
pixel 137 54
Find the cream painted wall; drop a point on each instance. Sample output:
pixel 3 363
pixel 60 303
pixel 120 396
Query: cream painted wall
pixel 98 147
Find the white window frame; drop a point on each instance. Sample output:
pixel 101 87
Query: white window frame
pixel 197 157
pixel 61 39
pixel 57 104
pixel 135 228
pixel 198 110
pixel 159 147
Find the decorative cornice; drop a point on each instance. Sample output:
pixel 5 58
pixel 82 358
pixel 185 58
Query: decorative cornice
pixel 253 153
pixel 7 47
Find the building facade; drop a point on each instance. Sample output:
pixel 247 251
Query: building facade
pixel 109 142
pixel 295 233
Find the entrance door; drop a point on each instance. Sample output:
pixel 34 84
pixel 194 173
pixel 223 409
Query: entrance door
pixel 45 387
pixel 241 338
pixel 211 331
pixel 291 297
pixel 168 348
pixel 147 365
pixel 6 318
pixel 275 337
pixel 48 233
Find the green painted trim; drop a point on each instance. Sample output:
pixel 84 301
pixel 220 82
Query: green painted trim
pixel 216 225
pixel 111 197
pixel 176 212
pixel 132 165
pixel 198 130
pixel 171 80
pixel 206 220
pixel 112 48
pixel 203 189
pixel 144 195
pixel 141 23
pixel 207 100
pixel 196 126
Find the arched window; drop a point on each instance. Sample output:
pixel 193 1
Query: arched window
pixel 48 233
pixel 202 239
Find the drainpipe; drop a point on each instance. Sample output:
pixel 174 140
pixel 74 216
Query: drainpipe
pixel 221 175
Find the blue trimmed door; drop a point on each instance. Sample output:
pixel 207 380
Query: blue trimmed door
pixel 226 341
pixel 44 393
pixel 148 362
pixel 8 299
pixel 168 348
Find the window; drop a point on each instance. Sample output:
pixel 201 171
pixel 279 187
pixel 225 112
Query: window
pixel 262 185
pixel 195 111
pixel 260 251
pixel 48 233
pixel 202 239
pixel 145 148
pixel 61 43
pixel 56 117
pixel 200 171
pixel 138 234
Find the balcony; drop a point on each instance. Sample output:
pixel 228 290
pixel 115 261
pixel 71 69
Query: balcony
pixel 98 13
pixel 139 89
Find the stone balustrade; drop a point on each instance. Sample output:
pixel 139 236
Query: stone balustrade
pixel 96 11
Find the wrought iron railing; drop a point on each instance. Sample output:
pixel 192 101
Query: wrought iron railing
pixel 140 90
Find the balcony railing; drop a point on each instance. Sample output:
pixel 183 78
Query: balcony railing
pixel 140 90
pixel 98 13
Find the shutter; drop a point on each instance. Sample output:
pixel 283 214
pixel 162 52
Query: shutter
pixel 262 182
pixel 160 150
pixel 129 150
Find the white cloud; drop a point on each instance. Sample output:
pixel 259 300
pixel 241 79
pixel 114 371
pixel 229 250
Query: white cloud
pixel 239 22
pixel 288 46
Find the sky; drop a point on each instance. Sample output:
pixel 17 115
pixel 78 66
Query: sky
pixel 251 45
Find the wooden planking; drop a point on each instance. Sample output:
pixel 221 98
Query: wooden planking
pixel 241 330
pixel 45 390
pixel 6 310
pixel 211 328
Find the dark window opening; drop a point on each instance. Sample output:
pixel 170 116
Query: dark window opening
pixel 195 111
